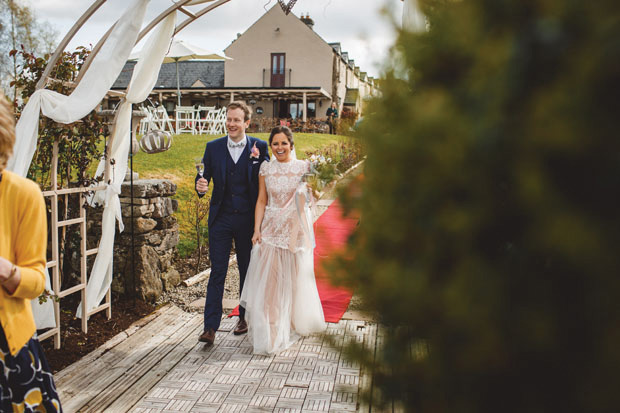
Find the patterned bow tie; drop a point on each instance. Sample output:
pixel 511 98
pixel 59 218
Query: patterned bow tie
pixel 236 145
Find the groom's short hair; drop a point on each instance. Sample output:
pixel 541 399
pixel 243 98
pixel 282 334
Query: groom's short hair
pixel 237 104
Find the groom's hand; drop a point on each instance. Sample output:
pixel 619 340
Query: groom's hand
pixel 202 186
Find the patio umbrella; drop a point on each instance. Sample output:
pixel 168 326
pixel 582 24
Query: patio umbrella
pixel 179 51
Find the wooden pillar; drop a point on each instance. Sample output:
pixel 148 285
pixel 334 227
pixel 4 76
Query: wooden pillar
pixel 232 96
pixel 305 106
pixel 55 252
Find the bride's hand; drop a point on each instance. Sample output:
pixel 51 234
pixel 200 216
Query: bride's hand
pixel 313 191
pixel 256 237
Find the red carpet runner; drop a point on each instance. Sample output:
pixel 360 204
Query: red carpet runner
pixel 331 231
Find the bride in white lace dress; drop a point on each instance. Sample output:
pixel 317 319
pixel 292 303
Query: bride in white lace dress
pixel 280 294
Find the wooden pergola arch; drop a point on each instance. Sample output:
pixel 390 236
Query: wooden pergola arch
pixel 55 192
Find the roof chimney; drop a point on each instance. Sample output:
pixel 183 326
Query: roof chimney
pixel 306 19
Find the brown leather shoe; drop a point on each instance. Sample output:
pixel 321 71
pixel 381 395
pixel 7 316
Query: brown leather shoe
pixel 242 327
pixel 208 336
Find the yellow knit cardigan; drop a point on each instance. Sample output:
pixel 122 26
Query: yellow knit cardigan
pixel 23 241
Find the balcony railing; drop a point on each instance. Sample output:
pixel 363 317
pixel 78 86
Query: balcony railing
pixel 269 80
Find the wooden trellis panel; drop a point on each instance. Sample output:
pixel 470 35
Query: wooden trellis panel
pixel 57 224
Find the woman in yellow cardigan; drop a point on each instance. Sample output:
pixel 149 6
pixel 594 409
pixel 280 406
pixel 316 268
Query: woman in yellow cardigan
pixel 26 382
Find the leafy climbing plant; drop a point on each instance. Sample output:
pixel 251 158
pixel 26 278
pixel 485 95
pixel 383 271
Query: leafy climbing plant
pixel 79 144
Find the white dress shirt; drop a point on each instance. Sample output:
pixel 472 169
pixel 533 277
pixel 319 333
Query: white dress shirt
pixel 237 150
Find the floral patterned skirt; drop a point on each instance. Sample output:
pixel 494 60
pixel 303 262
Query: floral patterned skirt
pixel 26 382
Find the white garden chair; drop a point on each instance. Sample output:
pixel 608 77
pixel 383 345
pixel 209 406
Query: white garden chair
pixel 156 118
pixel 185 119
pixel 203 124
pixel 218 125
pixel 161 119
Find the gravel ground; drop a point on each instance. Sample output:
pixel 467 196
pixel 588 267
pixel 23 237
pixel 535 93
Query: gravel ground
pixel 183 296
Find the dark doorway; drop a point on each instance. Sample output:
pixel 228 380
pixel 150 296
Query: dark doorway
pixel 277 69
pixel 281 109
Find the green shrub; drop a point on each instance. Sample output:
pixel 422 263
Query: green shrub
pixel 186 247
pixel 333 160
pixel 490 211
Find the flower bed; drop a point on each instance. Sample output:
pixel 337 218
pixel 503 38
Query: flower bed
pixel 330 162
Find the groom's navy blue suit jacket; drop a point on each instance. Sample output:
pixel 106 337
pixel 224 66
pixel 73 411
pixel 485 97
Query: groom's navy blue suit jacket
pixel 215 158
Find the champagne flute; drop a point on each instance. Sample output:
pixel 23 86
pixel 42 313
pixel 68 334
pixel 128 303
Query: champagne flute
pixel 310 179
pixel 200 166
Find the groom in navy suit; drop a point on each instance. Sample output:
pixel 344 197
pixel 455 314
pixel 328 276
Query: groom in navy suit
pixel 232 164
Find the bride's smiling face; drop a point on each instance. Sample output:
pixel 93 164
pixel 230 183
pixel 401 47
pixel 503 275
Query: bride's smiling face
pixel 281 147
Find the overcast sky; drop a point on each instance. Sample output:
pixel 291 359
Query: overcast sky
pixel 358 25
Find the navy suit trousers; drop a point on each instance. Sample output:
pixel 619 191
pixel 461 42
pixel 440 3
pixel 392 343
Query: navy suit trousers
pixel 225 228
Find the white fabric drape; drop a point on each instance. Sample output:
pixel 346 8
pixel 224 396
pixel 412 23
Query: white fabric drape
pixel 67 109
pixel 413 18
pixel 102 73
pixel 142 82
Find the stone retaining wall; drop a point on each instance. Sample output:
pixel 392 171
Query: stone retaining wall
pixel 155 236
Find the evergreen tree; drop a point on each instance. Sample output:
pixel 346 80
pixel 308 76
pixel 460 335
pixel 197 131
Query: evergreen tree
pixel 488 244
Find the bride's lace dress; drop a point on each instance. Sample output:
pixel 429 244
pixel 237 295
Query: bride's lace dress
pixel 280 294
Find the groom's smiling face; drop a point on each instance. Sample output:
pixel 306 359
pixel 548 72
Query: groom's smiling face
pixel 235 124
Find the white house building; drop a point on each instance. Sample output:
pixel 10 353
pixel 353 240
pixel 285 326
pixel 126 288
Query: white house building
pixel 280 66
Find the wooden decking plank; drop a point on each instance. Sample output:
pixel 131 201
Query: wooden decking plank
pixel 78 367
pixel 147 372
pixel 154 377
pixel 73 402
pixel 83 372
pixel 157 337
pixel 370 341
pixel 160 367
pixel 99 379
pixel 209 371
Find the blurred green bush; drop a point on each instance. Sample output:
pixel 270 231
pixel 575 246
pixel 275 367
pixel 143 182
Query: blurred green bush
pixel 490 211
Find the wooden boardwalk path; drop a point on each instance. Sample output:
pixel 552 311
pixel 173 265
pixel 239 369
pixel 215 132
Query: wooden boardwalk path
pixel 159 366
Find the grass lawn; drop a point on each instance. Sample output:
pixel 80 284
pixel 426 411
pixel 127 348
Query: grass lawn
pixel 177 165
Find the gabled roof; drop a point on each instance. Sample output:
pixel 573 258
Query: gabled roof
pixel 336 46
pixel 276 6
pixel 192 73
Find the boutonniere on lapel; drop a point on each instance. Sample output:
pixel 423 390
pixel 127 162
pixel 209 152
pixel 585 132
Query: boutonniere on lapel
pixel 254 152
